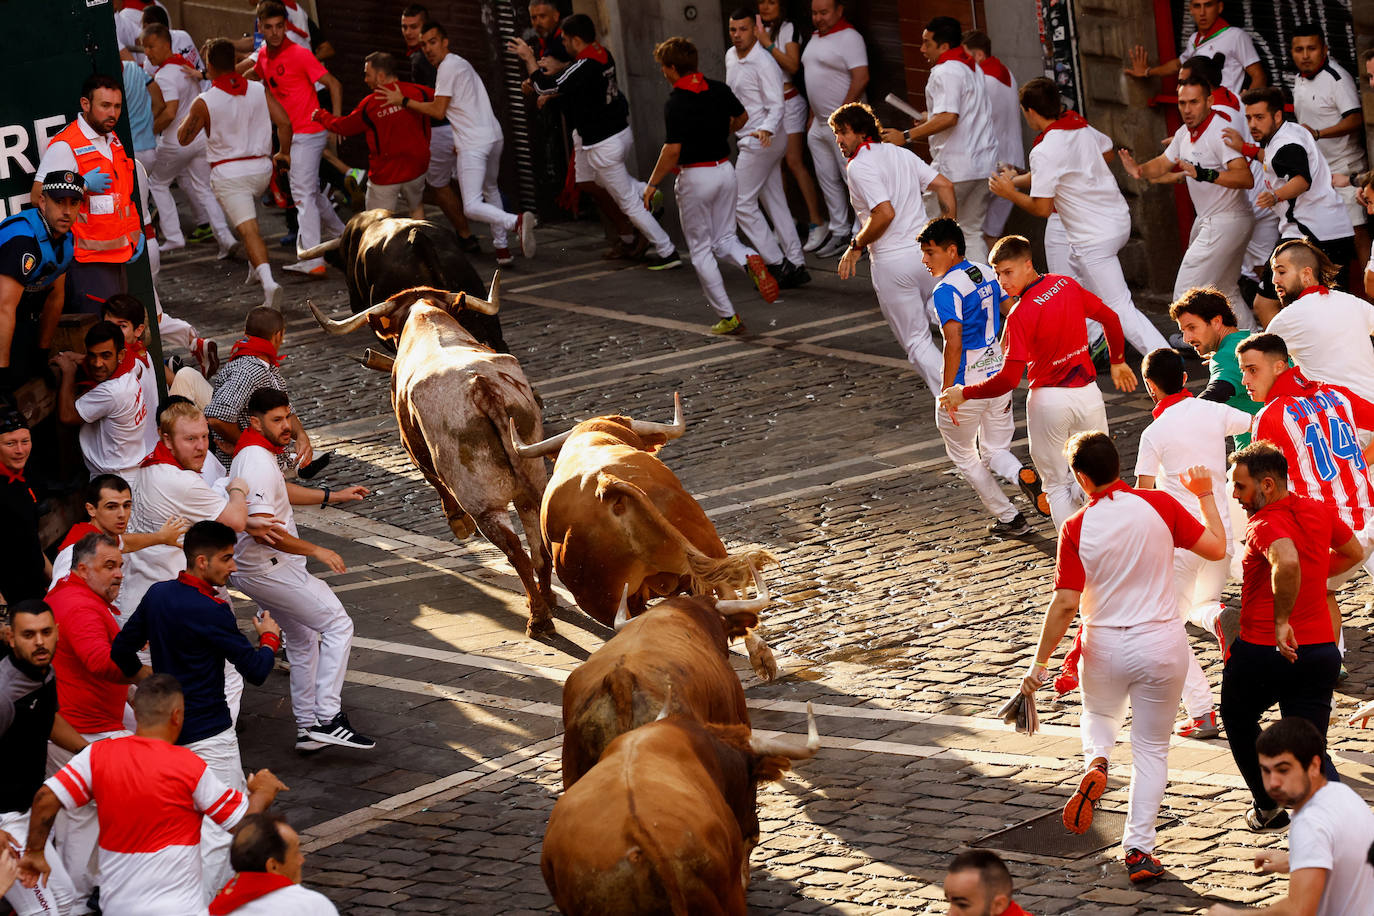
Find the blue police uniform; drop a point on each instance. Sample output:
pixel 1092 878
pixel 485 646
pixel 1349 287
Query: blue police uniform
pixel 30 255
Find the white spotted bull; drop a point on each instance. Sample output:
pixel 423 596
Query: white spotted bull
pixel 454 401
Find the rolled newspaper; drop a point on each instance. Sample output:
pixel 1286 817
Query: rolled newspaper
pixel 904 108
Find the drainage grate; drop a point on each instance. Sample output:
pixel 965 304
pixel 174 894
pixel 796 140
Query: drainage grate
pixel 1045 835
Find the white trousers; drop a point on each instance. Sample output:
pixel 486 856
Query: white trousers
pixel 830 174
pixel 175 332
pixel 188 165
pixel 221 755
pixel 391 196
pixel 980 446
pixel 904 286
pixel 1052 416
pixel 1198 584
pixel 973 198
pixel 604 164
pixel 477 173
pixel 1057 259
pixel 188 383
pixel 999 209
pixel 1216 247
pixel 706 207
pixel 759 181
pixel 443 156
pixel 76 833
pixel 58 897
pixel 1144 665
pixel 314 209
pixel 317 632
pixel 1097 268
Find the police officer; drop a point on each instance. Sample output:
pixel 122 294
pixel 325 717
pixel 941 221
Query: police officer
pixel 35 252
pixel 108 230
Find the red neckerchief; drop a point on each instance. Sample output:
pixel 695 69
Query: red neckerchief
pixel 958 54
pixel 139 5
pixel 244 888
pixel 251 436
pixel 1165 403
pixel 544 42
pixel 176 60
pixel 17 477
pixel 1217 26
pixel 1014 909
pixel 290 4
pixel 1069 120
pixel 862 146
pixel 595 52
pixel 1223 96
pixel 1068 674
pixel 1313 75
pixel 995 69
pixel 1118 486
pixel 1291 383
pixel 231 83
pixel 1319 290
pixel 692 82
pixel 1195 132
pixel 255 346
pixel 126 365
pixel 839 26
pixel 160 454
pixel 201 586
pixel 79 531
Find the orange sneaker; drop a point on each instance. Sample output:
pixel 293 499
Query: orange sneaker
pixel 763 280
pixel 1078 812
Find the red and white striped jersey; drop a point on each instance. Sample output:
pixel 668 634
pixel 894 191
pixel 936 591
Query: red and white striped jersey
pixel 1316 425
pixel 150 798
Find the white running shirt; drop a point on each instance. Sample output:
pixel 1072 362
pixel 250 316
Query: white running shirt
pixel 114 436
pixel 266 493
pixel 469 110
pixel 1327 334
pixel 1333 831
pixel 1067 165
pixel 968 150
pixel 828 60
pixel 887 172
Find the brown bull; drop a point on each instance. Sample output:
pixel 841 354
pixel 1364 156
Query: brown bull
pixel 616 518
pixel 454 401
pixel 678 648
pixel 665 822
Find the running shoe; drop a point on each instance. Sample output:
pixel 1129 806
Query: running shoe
pixel 1029 481
pixel 656 205
pixel 764 282
pixel 1227 628
pixel 504 258
pixel 731 325
pixel 338 731
pixel 1271 821
pixel 309 471
pixel 524 231
pixel 663 261
pixel 1014 528
pixel 1078 811
pixel 168 247
pixel 1200 727
pixel 302 267
pixel 206 354
pixel 815 237
pixel 834 247
pixel 1097 352
pixel 1343 675
pixel 469 244
pixel 1142 867
pixel 306 744
pixel 202 233
pixel 288 240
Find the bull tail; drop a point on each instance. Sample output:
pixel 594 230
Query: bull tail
pixel 494 407
pixel 707 574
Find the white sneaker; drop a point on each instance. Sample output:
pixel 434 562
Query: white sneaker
pixel 309 268
pixel 272 297
pixel 524 230
pixel 816 237
pixel 170 246
pixel 836 245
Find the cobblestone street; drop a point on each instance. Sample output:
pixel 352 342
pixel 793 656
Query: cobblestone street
pixel 895 614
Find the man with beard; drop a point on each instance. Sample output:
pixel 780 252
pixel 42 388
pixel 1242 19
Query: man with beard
pixel 1332 827
pixel 91 690
pixel 108 230
pixel 111 411
pixel 109 503
pixel 1326 330
pixel 1217 178
pixel 1292 544
pixel 28 720
pixel 1208 325
pixel 318 631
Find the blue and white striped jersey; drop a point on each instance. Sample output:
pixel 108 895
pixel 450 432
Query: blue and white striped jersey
pixel 969 294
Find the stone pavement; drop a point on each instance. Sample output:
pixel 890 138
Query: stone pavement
pixel 896 614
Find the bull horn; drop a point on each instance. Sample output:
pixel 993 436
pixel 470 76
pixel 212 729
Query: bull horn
pixel 667 430
pixel 488 306
pixel 348 325
pixel 538 449
pixel 667 701
pixel 752 605
pixel 622 614
pixel 791 749
pixel 319 249
pixel 379 361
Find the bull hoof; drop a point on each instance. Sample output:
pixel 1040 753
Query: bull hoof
pixel 761 657
pixel 462 527
pixel 540 627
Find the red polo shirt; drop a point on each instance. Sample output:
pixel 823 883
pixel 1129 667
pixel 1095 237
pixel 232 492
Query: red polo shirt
pixel 1315 529
pixel 91 690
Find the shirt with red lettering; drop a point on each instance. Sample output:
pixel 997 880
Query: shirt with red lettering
pixel 1316 426
pixel 1315 530
pixel 1118 550
pixel 397 138
pixel 150 799
pixel 290 75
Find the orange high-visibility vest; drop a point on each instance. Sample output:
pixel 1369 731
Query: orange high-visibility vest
pixel 108 238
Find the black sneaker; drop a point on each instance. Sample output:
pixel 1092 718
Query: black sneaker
pixel 338 731
pixel 1271 821
pixel 469 244
pixel 314 467
pixel 1142 867
pixel 1013 528
pixel 1029 481
pixel 306 744
pixel 658 261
